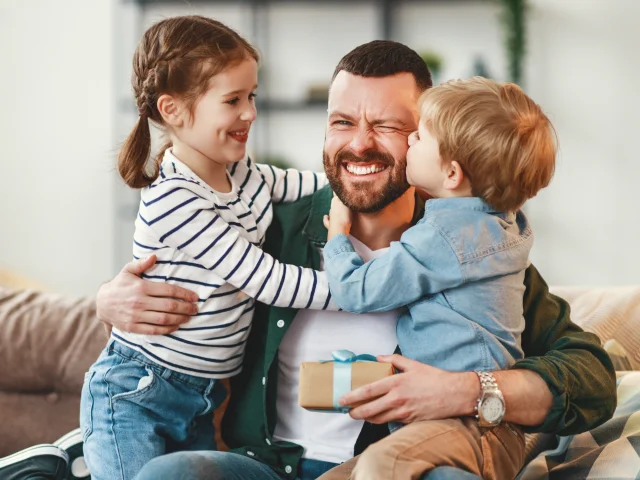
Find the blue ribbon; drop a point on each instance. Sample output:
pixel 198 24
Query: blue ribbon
pixel 342 374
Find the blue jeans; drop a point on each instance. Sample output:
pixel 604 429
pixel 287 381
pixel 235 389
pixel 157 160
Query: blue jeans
pixel 222 466
pixel 231 466
pixel 133 410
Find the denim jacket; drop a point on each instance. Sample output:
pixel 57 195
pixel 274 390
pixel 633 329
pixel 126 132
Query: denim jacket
pixel 460 273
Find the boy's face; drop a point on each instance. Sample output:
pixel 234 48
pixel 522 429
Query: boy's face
pixel 425 168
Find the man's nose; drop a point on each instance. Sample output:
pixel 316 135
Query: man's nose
pixel 361 141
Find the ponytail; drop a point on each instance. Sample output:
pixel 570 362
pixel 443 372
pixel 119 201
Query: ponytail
pixel 132 160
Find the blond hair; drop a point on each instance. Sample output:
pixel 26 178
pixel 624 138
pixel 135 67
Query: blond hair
pixel 176 56
pixel 501 138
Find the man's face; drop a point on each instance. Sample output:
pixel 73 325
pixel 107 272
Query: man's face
pixel 365 146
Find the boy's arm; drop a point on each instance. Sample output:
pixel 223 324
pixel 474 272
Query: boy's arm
pixel 421 263
pixel 566 384
pixel 290 185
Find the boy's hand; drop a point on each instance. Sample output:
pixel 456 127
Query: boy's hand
pixel 339 219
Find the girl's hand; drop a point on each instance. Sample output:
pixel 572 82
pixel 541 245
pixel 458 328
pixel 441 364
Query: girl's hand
pixel 339 219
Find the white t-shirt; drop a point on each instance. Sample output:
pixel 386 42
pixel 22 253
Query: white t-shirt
pixel 312 336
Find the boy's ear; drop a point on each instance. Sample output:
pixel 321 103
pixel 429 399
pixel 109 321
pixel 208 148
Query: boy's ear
pixel 455 176
pixel 171 110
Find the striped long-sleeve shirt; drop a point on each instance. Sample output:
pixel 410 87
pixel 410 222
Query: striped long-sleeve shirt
pixel 209 242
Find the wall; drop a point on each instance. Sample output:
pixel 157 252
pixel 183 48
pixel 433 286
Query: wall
pixel 56 188
pixel 67 220
pixel 583 69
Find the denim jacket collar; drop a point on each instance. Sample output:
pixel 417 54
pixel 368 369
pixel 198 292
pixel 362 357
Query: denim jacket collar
pixel 314 228
pixel 465 203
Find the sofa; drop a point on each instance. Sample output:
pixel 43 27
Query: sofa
pixel 48 341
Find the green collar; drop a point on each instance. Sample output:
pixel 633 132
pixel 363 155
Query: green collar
pixel 314 228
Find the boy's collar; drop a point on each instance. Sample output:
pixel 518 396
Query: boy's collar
pixel 314 228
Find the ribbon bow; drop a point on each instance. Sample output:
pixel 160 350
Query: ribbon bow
pixel 342 374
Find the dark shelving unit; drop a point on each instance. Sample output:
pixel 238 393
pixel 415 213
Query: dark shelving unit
pixel 386 13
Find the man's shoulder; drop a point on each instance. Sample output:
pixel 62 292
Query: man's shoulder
pixel 301 210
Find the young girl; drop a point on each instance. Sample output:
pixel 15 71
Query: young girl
pixel 204 211
pixel 482 149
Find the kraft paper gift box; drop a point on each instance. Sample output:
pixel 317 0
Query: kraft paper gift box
pixel 323 383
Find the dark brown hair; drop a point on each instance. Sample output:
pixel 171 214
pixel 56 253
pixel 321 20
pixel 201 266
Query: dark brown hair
pixel 383 58
pixel 176 56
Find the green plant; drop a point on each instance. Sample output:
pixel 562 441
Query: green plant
pixel 513 20
pixel 433 60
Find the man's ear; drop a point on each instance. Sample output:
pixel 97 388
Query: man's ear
pixel 455 176
pixel 171 110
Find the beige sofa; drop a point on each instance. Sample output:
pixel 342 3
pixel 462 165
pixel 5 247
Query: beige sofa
pixel 48 341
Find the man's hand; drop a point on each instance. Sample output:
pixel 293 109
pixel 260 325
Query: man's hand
pixel 420 392
pixel 423 392
pixel 339 219
pixel 141 306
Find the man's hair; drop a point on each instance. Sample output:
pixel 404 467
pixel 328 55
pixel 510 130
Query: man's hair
pixel 501 138
pixel 383 58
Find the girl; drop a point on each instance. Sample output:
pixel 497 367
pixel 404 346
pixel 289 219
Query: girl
pixel 204 211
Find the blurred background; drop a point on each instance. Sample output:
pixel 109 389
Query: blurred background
pixel 67 220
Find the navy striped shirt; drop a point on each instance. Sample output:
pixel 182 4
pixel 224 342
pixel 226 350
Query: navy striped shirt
pixel 209 242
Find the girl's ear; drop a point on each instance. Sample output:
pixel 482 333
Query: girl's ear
pixel 171 110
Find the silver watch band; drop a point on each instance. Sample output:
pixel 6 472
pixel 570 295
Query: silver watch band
pixel 489 390
pixel 487 381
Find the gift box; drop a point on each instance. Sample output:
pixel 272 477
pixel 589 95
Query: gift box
pixel 323 383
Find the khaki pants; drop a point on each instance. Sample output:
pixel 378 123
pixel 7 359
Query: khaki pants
pixel 493 453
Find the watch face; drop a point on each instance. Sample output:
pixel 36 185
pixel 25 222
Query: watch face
pixel 492 409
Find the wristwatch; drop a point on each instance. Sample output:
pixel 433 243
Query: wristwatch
pixel 490 408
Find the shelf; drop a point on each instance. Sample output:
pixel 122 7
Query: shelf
pixel 307 2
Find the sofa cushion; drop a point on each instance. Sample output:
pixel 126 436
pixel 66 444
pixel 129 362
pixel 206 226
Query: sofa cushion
pixel 612 313
pixel 49 341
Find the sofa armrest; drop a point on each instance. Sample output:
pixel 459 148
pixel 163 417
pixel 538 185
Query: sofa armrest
pixel 612 313
pixel 47 341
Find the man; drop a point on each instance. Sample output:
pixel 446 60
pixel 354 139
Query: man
pixel 565 385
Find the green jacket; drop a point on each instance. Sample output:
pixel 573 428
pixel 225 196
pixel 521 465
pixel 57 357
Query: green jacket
pixel 571 361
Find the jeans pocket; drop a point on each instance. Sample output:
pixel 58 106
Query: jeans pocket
pixel 86 406
pixel 144 377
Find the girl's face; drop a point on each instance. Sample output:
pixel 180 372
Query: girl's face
pixel 222 117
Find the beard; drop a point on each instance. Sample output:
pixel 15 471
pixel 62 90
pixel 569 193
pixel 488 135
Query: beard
pixel 366 197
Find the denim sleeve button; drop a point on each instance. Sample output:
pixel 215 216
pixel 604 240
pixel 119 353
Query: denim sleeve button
pixel 250 453
pixel 280 323
pixel 264 380
pixel 288 469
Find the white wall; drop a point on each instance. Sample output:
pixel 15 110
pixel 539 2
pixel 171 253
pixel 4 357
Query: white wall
pixel 583 68
pixel 56 193
pixel 67 220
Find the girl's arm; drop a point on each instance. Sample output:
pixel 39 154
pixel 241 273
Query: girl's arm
pixel 290 185
pixel 182 219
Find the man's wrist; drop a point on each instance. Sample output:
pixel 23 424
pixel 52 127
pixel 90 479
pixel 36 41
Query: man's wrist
pixel 469 390
pixel 98 302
